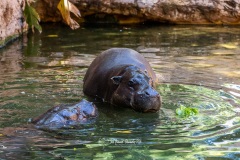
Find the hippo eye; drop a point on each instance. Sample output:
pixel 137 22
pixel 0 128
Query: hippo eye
pixel 130 83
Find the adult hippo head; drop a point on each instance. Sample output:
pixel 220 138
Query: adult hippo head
pixel 134 89
pixel 67 115
pixel 123 77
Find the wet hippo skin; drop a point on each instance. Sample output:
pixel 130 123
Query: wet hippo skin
pixel 67 115
pixel 123 77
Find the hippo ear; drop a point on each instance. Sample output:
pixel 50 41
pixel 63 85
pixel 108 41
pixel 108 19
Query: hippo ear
pixel 116 79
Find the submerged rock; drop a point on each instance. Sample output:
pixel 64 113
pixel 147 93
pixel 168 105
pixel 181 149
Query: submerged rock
pixel 66 116
pixel 135 11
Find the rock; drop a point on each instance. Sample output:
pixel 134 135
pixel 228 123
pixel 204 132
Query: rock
pixel 47 10
pixel 12 22
pixel 164 11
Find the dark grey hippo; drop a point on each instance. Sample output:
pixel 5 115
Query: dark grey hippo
pixel 123 77
pixel 66 115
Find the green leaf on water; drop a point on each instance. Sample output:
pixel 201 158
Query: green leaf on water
pixel 32 17
pixel 185 112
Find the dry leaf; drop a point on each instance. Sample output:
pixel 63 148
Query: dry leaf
pixel 65 7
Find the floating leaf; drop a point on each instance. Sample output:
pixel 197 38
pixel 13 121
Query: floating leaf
pixel 32 17
pixel 124 131
pixel 52 36
pixel 185 112
pixel 65 7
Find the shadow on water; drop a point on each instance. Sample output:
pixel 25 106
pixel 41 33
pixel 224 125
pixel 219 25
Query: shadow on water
pixel 197 66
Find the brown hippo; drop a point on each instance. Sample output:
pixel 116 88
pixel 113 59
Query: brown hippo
pixel 122 76
pixel 66 115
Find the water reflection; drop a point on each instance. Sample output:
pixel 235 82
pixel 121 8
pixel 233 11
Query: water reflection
pixel 198 66
pixel 10 60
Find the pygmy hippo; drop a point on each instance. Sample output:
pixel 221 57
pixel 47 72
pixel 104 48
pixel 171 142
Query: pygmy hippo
pixel 123 77
pixel 67 115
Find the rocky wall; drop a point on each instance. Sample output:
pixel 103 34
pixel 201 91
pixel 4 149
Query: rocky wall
pixel 163 11
pixel 12 23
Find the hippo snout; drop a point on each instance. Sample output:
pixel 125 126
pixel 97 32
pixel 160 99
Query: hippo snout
pixel 155 104
pixel 88 109
pixel 147 101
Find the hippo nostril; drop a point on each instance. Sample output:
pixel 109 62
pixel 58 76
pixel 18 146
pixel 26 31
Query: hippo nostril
pixel 147 93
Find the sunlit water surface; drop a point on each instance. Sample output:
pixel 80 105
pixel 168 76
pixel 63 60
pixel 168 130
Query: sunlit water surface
pixel 198 66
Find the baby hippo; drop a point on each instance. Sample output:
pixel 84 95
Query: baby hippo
pixel 67 115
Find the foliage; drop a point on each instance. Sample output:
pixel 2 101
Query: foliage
pixel 185 112
pixel 32 17
pixel 65 7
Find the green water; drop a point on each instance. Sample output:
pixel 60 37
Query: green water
pixel 198 66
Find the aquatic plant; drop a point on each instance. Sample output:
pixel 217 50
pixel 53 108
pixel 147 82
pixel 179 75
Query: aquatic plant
pixel 185 112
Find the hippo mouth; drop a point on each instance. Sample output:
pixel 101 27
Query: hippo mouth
pixel 150 110
pixel 145 110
